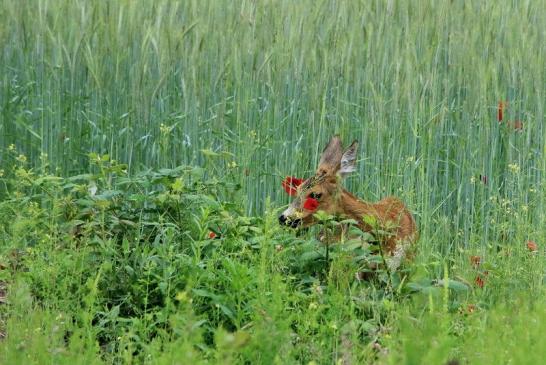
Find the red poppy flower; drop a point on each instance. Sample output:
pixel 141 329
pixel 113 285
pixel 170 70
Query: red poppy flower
pixel 311 204
pixel 290 185
pixel 475 261
pixel 532 246
pixel 500 111
pixel 480 279
pixel 212 235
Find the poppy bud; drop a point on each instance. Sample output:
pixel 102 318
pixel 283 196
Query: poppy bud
pixel 475 261
pixel 500 111
pixel 532 246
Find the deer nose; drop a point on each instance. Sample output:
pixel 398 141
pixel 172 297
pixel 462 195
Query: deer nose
pixel 295 223
pixel 282 220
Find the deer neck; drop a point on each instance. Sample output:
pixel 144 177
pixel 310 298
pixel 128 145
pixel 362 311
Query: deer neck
pixel 352 207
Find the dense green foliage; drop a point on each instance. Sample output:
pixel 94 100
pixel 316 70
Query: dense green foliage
pixel 159 268
pixel 142 146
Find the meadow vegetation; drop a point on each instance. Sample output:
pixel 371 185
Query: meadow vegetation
pixel 142 149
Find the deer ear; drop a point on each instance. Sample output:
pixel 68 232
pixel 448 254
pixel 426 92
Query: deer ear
pixel 331 157
pixel 348 160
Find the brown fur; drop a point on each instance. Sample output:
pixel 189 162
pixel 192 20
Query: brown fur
pixel 390 213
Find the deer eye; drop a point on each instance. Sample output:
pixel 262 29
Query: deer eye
pixel 315 196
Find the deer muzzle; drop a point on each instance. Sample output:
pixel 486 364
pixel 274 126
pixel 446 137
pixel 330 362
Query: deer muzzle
pixel 289 222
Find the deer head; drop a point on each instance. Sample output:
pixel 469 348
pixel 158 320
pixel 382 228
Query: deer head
pixel 321 191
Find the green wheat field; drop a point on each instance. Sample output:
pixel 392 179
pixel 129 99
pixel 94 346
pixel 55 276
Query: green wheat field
pixel 142 149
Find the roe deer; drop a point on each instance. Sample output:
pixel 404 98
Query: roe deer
pixel 325 192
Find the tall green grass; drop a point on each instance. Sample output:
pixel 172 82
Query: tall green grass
pixel 270 82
